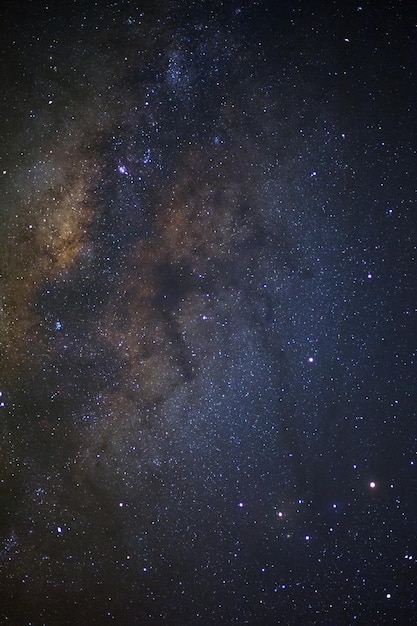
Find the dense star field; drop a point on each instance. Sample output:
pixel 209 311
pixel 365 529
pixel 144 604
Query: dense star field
pixel 208 313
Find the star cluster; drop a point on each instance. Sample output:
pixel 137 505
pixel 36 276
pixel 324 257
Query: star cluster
pixel 207 314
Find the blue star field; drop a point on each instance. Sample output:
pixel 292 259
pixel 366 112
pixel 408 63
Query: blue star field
pixel 208 313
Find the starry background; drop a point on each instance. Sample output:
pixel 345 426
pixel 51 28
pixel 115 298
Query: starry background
pixel 208 313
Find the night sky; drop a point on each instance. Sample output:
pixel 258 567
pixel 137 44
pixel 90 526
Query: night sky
pixel 208 270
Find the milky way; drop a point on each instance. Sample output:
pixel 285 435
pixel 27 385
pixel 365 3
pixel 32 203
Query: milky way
pixel 206 321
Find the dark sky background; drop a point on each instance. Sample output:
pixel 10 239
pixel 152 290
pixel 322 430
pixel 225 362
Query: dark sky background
pixel 208 313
